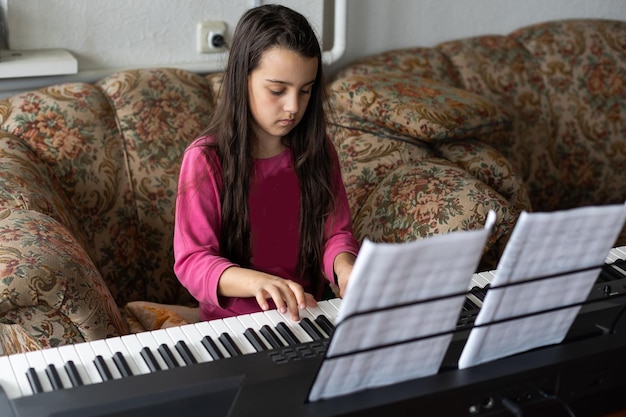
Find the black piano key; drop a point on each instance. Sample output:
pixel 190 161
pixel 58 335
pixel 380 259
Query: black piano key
pixel 122 365
pixel 168 356
pixel 103 369
pixel 72 372
pixel 150 360
pixel 287 334
pixel 311 330
pixel 34 381
pixel 229 344
pixel 325 324
pixel 256 341
pixel 53 376
pixel 480 292
pixel 271 337
pixel 212 348
pixel 185 353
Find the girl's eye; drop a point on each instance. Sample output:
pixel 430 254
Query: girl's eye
pixel 305 92
pixel 275 93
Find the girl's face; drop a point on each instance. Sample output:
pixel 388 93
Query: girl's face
pixel 278 93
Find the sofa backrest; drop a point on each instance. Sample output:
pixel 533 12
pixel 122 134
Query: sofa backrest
pixel 564 85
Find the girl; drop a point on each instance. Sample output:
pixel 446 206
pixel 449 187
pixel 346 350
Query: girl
pixel 262 219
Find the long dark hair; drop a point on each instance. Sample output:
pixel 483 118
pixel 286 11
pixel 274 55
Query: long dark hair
pixel 258 30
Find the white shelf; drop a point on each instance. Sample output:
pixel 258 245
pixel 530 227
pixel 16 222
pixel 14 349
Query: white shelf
pixel 36 63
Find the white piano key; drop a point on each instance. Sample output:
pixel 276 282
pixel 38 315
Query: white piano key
pixel 319 310
pixel 147 340
pixel 328 309
pixel 162 337
pixel 205 329
pixel 87 357
pixel 196 339
pixel 235 329
pixel 37 361
pixel 101 348
pixel 116 344
pixel 335 302
pixel 8 380
pixel 69 353
pixel 53 357
pixel 20 366
pixel 134 346
pixel 262 320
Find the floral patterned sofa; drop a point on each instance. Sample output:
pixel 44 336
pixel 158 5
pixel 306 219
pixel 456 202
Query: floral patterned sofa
pixel 561 85
pixel 87 188
pixel 89 171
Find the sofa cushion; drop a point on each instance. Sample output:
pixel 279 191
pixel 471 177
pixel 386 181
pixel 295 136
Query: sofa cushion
pixel 417 107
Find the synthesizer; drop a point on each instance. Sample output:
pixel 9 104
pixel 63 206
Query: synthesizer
pixel 264 364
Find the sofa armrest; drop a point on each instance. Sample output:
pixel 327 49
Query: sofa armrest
pixel 48 283
pixel 488 165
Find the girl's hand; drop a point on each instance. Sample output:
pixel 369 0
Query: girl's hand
pixel 344 262
pixel 288 296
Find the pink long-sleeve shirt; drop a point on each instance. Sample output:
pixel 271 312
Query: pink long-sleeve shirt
pixel 274 204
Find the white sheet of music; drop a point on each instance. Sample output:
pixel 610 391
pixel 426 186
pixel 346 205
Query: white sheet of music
pixel 542 244
pixel 392 274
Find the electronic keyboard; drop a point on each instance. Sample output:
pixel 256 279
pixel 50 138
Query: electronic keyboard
pixel 264 364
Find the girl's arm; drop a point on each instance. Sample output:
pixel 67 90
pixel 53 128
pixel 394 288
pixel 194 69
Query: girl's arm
pixel 341 247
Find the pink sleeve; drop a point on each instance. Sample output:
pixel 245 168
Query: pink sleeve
pixel 339 235
pixel 197 261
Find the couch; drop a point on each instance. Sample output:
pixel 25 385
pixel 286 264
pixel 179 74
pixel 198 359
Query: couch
pixel 89 173
pixel 560 84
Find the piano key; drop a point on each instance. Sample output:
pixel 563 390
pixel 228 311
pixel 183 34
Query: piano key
pixel 194 336
pixel 103 368
pixel 325 324
pixel 267 327
pixel 272 337
pixel 205 329
pixel 101 348
pixel 34 381
pixel 288 325
pixel 131 354
pixel 53 357
pixel 69 354
pixel 311 329
pixel 287 334
pixel 163 338
pixel 150 359
pixel 39 364
pixel 255 340
pixel 122 365
pixel 76 379
pixel 316 328
pixel 178 335
pixel 335 302
pixel 325 308
pixel 237 332
pixel 8 381
pixel 253 332
pixel 20 367
pixel 212 348
pixel 87 356
pixel 185 353
pixel 54 377
pixel 227 341
pixel 147 340
pixel 221 328
pixel 168 356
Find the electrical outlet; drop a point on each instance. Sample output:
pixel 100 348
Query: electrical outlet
pixel 210 37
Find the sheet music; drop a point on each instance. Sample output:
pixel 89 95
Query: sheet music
pixel 542 244
pixel 390 274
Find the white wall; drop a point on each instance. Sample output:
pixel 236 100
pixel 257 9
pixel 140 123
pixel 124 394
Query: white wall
pixel 112 34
